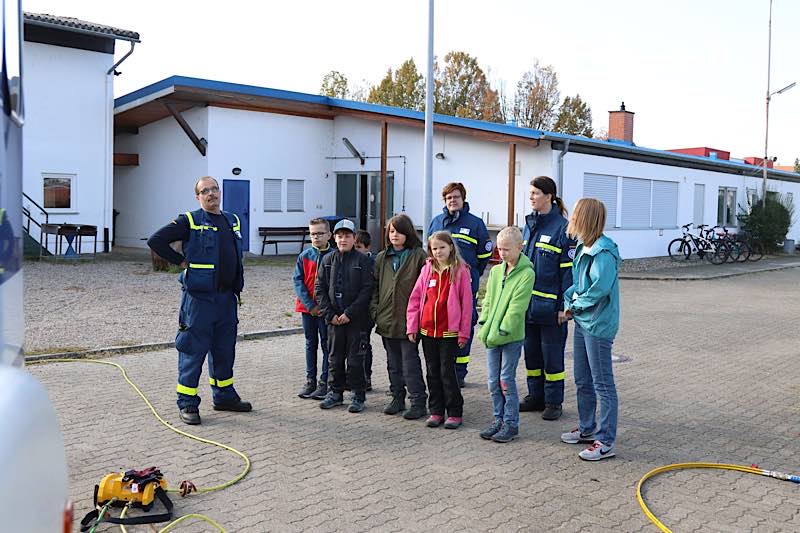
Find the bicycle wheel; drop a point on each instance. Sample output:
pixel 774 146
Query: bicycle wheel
pixel 718 253
pixel 679 250
pixel 744 252
pixel 734 251
pixel 756 251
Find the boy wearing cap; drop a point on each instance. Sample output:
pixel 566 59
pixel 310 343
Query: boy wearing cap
pixel 343 291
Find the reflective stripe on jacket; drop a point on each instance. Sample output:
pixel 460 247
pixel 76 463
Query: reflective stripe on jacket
pixel 459 301
pixel 547 245
pixel 472 237
pixel 202 252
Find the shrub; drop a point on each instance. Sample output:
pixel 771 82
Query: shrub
pixel 770 222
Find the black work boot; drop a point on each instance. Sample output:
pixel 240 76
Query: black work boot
pixel 238 406
pixel 308 389
pixel 552 411
pixel 320 392
pixel 416 411
pixel 397 404
pixel 528 404
pixel 190 415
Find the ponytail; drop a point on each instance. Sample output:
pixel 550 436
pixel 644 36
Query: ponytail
pixel 561 207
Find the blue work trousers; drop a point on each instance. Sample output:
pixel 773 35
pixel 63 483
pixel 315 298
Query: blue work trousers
pixel 207 325
pixel 462 356
pixel 544 362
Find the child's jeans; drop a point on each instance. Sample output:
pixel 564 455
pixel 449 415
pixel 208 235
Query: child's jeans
pixel 594 377
pixel 316 333
pixel 502 369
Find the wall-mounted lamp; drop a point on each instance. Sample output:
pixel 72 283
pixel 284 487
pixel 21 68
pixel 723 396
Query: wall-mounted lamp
pixel 440 156
pixel 353 149
pixel 236 171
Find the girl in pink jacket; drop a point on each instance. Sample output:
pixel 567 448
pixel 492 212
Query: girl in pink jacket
pixel 440 313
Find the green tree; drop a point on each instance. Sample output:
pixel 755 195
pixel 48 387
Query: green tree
pixel 403 88
pixel 768 221
pixel 797 165
pixel 536 98
pixel 462 89
pixel 574 117
pixel 334 84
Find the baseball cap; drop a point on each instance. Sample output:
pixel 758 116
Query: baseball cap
pixel 345 224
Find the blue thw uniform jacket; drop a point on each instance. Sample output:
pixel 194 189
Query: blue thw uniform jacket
pixel 551 251
pixel 472 237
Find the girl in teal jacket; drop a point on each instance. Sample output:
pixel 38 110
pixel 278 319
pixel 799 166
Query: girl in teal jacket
pixel 593 301
pixel 502 321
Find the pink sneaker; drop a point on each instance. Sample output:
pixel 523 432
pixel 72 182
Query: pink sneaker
pixel 453 422
pixel 434 421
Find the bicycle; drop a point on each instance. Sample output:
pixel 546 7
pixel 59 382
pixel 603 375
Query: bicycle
pixel 737 252
pixel 682 248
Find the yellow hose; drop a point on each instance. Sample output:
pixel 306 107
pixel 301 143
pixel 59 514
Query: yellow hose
pixel 681 466
pixel 227 484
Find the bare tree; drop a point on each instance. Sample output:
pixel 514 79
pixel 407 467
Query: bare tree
pixel 537 98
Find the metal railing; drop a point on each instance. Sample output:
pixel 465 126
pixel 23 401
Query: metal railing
pixel 29 219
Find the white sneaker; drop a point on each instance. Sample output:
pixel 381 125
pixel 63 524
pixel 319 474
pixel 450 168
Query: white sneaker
pixel 575 436
pixel 597 451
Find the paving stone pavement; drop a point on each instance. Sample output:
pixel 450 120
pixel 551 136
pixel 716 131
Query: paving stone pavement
pixel 711 376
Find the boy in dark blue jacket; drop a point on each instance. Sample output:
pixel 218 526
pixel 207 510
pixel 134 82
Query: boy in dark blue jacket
pixel 363 242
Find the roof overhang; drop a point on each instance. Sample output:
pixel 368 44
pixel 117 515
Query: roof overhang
pixel 147 105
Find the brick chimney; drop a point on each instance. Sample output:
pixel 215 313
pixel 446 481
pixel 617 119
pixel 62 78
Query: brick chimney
pixel 620 125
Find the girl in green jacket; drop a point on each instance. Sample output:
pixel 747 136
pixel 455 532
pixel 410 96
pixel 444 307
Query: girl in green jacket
pixel 502 321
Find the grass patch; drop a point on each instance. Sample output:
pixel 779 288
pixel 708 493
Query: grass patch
pixel 56 349
pixel 281 261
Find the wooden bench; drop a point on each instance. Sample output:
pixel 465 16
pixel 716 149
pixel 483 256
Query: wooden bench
pixel 271 235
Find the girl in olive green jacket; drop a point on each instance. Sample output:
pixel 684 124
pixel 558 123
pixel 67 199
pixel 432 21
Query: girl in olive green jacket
pixel 502 321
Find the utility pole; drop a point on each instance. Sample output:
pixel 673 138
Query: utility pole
pixel 427 188
pixel 766 123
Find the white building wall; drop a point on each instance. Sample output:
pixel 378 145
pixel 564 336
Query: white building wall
pixel 67 129
pixel 268 145
pixel 162 186
pixel 636 243
pixel 481 165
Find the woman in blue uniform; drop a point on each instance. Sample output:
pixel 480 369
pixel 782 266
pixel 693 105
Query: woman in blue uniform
pixel 550 249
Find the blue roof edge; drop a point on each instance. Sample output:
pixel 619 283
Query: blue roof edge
pixel 507 129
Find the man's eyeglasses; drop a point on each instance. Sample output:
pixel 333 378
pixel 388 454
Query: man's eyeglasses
pixel 319 233
pixel 209 190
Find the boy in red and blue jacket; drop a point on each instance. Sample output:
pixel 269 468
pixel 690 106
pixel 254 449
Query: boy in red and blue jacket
pixel 314 327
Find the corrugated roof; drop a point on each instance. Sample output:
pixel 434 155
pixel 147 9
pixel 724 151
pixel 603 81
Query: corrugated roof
pixel 79 26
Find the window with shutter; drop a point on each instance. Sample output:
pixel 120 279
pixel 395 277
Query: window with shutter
pixel 635 203
pixel 273 198
pixel 604 188
pixel 665 204
pixel 295 195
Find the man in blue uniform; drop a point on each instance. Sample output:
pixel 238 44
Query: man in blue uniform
pixel 475 246
pixel 212 281
pixel 550 249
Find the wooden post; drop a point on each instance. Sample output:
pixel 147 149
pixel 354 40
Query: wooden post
pixel 512 171
pixel 384 199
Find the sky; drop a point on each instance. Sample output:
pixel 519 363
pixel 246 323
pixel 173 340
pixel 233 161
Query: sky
pixel 694 72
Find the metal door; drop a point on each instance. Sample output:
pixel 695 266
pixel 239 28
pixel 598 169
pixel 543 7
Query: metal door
pixel 236 199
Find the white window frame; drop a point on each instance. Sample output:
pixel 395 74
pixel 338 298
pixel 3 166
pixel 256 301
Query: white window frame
pixel 73 192
pixel 279 208
pixel 734 223
pixel 302 207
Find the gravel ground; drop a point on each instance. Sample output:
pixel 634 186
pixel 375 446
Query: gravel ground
pixel 119 301
pixel 113 302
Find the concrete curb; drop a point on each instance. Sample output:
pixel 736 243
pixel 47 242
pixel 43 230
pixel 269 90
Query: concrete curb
pixel 634 275
pixel 152 347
